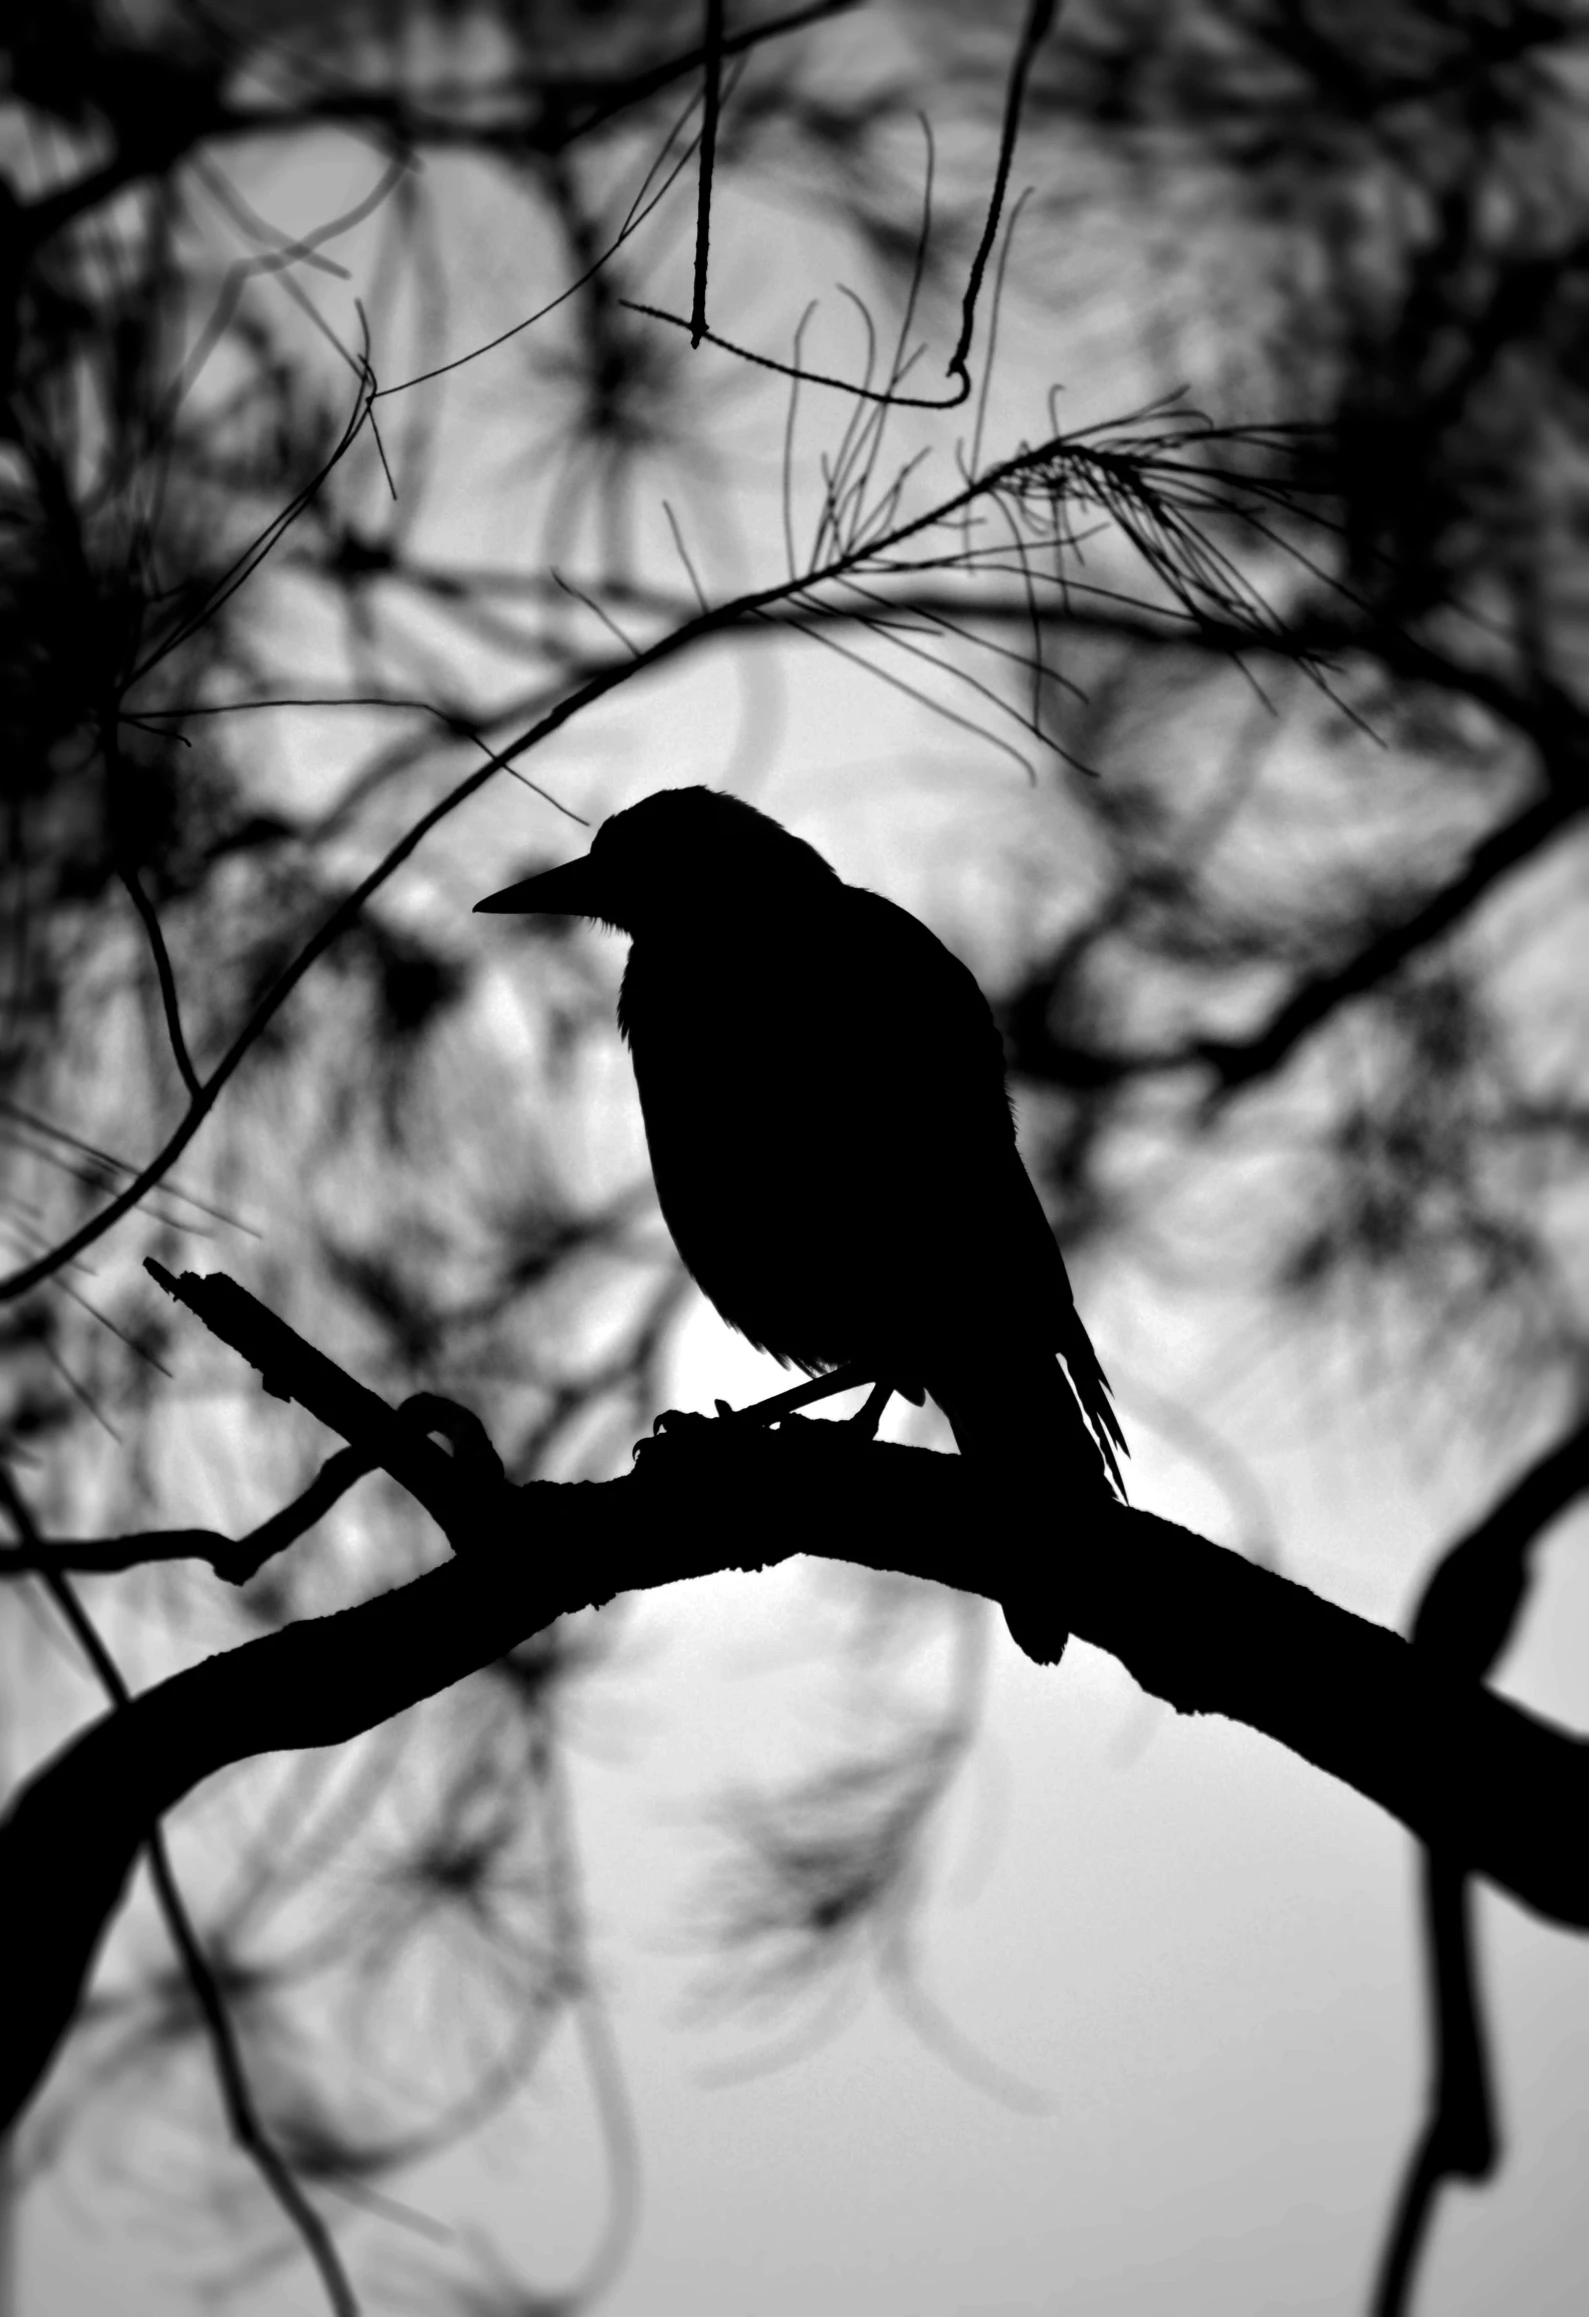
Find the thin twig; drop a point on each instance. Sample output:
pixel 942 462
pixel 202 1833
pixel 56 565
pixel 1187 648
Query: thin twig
pixel 684 554
pixel 1459 2140
pixel 640 209
pixel 805 377
pixel 712 79
pixel 164 974
pixel 107 1162
pixel 594 608
pixel 237 1559
pixel 1039 22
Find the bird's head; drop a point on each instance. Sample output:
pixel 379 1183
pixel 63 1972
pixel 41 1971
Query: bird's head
pixel 683 857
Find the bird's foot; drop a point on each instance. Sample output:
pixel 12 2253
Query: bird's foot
pixel 760 1413
pixel 784 1404
pixel 764 1414
pixel 685 1419
pixel 679 1424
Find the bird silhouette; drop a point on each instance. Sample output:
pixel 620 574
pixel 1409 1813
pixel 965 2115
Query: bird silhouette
pixel 830 1131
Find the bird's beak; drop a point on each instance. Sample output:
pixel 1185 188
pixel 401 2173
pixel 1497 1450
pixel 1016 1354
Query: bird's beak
pixel 570 891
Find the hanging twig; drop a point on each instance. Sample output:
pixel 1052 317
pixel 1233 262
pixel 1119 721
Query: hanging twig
pixel 1465 1619
pixel 1039 23
pixel 712 64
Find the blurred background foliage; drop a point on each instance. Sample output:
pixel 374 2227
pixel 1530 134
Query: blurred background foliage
pixel 1258 813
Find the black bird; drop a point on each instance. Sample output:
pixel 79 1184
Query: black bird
pixel 824 1099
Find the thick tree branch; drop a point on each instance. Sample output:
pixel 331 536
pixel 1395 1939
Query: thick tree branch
pixel 1491 1788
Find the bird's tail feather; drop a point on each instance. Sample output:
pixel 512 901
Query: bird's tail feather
pixel 1018 1406
pixel 1091 1387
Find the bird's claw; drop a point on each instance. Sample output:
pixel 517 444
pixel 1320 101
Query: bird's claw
pixel 679 1420
pixel 678 1424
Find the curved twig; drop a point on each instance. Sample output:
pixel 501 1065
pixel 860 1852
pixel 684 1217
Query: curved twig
pixel 1465 1618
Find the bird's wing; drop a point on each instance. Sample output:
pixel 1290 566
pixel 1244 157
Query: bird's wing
pixel 935 1092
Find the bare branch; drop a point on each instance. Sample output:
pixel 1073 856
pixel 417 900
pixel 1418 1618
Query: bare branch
pixel 1459 2140
pixel 237 1559
pixel 712 61
pixel 1465 1618
pixel 1039 23
pixel 163 974
pixel 1238 1062
pixel 293 1370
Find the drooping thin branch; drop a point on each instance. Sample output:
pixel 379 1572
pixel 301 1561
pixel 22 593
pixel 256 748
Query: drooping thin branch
pixel 55 495
pixel 1459 2140
pixel 243 566
pixel 169 1001
pixel 1467 1614
pixel 1039 22
pixel 1038 25
pixel 712 96
pixel 858 391
pixel 645 201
